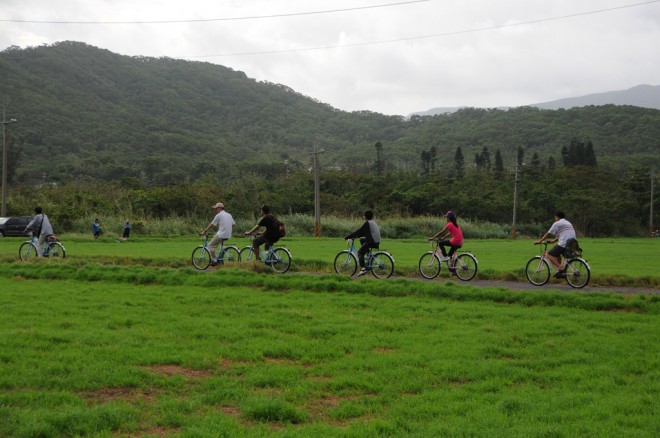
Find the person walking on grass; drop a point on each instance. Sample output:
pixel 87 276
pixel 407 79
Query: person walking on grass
pixel 369 234
pixel 452 231
pixel 127 230
pixel 563 233
pixel 225 223
pixel 96 228
pixel 269 237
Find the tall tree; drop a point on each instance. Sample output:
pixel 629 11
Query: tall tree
pixel 379 165
pixel 499 164
pixel 459 163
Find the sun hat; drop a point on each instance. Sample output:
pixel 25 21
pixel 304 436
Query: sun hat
pixel 219 205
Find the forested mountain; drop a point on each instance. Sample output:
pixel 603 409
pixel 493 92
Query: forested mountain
pixel 84 112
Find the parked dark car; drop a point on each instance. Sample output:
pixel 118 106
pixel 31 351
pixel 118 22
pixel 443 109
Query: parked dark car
pixel 13 226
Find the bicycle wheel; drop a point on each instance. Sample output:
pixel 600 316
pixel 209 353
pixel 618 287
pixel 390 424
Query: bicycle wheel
pixel 537 271
pixel 280 260
pixel 429 265
pixel 230 256
pixel 345 263
pixel 55 249
pixel 382 265
pixel 201 258
pixel 465 266
pixel 577 273
pixel 27 251
pixel 246 254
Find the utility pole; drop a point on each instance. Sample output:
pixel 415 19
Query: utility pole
pixel 317 193
pixel 516 182
pixel 651 230
pixel 5 167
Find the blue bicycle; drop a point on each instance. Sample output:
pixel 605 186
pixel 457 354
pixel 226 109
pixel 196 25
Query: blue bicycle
pixel 278 258
pixel 380 263
pixel 225 255
pixel 51 248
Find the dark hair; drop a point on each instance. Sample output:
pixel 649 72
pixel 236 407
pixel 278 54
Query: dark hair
pixel 560 214
pixel 265 209
pixel 369 215
pixel 38 210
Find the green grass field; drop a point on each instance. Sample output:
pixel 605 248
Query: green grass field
pixel 126 339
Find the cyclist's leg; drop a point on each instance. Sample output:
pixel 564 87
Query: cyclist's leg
pixel 41 245
pixel 213 245
pixel 256 243
pixel 554 255
pixel 441 245
pixel 364 249
pixel 450 254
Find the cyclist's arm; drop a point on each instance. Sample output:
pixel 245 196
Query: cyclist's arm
pixel 208 227
pixel 437 235
pixel 255 228
pixel 545 236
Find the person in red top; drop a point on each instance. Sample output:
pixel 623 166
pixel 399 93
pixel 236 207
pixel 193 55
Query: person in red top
pixel 451 229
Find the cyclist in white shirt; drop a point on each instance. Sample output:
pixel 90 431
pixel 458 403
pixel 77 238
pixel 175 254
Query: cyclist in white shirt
pixel 225 223
pixel 563 232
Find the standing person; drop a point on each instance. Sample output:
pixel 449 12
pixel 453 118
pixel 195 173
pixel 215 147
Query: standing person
pixel 455 242
pixel 40 225
pixel 269 236
pixel 369 234
pixel 225 223
pixel 563 231
pixel 127 229
pixel 96 228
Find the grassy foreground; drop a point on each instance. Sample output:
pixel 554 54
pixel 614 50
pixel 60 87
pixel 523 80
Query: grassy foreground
pixel 142 351
pixel 126 339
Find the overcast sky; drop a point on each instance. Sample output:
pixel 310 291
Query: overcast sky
pixel 387 56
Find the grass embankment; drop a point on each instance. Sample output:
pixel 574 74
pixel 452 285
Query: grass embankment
pixel 614 262
pixel 97 350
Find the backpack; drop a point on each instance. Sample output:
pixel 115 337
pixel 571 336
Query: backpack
pixel 281 229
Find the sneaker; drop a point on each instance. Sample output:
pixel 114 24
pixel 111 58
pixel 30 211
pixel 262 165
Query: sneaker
pixel 362 272
pixel 560 274
pixel 444 259
pixel 214 262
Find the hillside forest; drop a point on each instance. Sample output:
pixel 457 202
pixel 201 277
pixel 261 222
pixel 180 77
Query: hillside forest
pixel 98 133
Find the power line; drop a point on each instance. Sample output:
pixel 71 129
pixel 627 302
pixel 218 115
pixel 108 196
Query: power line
pixel 458 32
pixel 201 20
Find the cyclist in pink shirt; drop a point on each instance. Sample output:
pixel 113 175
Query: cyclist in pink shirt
pixel 451 229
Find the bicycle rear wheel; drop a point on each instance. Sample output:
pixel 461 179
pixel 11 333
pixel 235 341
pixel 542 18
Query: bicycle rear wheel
pixel 230 256
pixel 429 265
pixel 201 258
pixel 537 271
pixel 55 249
pixel 280 260
pixel 465 266
pixel 345 263
pixel 27 251
pixel 382 265
pixel 577 273
pixel 246 254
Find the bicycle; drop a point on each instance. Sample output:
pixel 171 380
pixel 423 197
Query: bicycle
pixel 380 263
pixel 278 258
pixel 202 257
pixel 463 263
pixel 53 248
pixel 577 269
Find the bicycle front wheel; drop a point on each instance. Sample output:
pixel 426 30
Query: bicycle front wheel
pixel 465 266
pixel 27 251
pixel 577 273
pixel 201 258
pixel 537 271
pixel 429 265
pixel 230 256
pixel 280 260
pixel 382 265
pixel 246 254
pixel 345 263
pixel 55 249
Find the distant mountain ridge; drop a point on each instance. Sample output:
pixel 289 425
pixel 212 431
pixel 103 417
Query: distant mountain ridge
pixel 644 96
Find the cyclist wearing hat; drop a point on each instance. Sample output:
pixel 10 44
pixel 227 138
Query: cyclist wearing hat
pixel 451 229
pixel 225 223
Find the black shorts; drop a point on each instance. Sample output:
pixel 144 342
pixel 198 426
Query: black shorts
pixel 557 251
